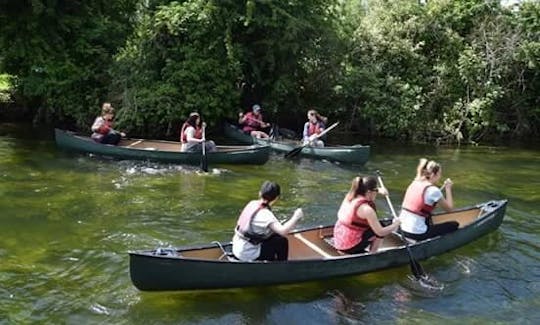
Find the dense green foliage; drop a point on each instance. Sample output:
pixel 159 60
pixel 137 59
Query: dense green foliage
pixel 447 71
pixel 5 87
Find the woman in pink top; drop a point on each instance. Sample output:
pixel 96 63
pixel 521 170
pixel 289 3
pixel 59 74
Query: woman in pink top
pixel 357 226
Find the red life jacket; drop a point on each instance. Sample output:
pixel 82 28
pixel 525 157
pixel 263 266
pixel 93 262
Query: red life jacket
pixel 349 228
pixel 314 128
pixel 414 199
pixel 105 128
pixel 243 225
pixel 250 122
pixel 183 135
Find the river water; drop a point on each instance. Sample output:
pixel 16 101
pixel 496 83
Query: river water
pixel 68 221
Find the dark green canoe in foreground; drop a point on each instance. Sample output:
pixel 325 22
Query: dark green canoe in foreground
pixel 311 257
pixel 162 151
pixel 356 154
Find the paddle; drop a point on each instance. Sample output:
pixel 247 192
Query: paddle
pixel 204 160
pixel 416 268
pixel 297 150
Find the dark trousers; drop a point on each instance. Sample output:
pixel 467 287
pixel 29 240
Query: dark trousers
pixel 111 138
pixel 275 248
pixel 434 230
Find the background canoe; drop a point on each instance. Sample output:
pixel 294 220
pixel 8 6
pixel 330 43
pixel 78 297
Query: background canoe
pixel 310 256
pixel 356 154
pixel 162 151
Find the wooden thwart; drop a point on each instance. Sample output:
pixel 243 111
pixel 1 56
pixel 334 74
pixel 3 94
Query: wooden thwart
pixel 135 143
pixel 312 246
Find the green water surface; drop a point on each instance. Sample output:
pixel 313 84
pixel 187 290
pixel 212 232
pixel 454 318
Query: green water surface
pixel 68 220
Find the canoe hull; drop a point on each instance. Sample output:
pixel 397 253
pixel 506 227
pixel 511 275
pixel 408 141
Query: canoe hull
pixel 159 273
pixel 357 154
pixel 256 154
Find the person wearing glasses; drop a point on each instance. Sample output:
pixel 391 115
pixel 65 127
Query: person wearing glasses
pixel 421 198
pixel 313 127
pixel 357 226
pixel 102 128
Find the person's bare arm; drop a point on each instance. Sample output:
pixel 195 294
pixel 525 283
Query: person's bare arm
pixel 285 228
pixel 374 223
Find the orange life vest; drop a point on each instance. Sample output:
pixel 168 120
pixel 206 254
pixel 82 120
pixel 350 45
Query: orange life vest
pixel 243 226
pixel 349 228
pixel 314 128
pixel 105 128
pixel 183 135
pixel 251 122
pixel 414 199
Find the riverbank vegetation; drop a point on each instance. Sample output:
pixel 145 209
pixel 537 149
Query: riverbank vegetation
pixel 438 71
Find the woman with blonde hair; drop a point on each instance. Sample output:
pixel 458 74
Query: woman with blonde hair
pixel 102 128
pixel 420 200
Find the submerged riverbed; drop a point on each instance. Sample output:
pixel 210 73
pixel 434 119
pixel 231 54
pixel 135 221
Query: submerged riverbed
pixel 68 221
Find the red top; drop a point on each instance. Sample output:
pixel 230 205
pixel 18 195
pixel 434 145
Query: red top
pixel 183 135
pixel 350 227
pixel 251 122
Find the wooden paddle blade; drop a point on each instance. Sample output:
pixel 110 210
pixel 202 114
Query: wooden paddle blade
pixel 294 152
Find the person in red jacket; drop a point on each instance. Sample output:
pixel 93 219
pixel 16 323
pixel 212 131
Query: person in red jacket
pixel 313 127
pixel 357 226
pixel 252 123
pixel 192 135
pixel 420 200
pixel 102 127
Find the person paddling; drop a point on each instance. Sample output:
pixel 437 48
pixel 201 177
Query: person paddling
pixel 191 135
pixel 313 127
pixel 357 226
pixel 102 128
pixel 258 235
pixel 252 123
pixel 420 200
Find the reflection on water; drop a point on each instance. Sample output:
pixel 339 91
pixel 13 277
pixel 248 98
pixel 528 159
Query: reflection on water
pixel 68 221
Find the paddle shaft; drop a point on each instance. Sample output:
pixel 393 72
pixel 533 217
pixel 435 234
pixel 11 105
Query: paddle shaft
pixel 204 162
pixel 417 269
pixel 326 130
pixel 297 150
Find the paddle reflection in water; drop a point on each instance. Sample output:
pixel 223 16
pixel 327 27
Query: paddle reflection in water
pixel 346 307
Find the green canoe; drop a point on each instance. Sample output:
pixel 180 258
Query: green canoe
pixel 311 257
pixel 162 151
pixel 356 154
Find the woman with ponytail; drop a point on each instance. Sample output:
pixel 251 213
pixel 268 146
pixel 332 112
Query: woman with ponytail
pixel 420 200
pixel 357 226
pixel 258 234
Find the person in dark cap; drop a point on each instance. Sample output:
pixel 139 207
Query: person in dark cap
pixel 252 122
pixel 259 236
pixel 192 135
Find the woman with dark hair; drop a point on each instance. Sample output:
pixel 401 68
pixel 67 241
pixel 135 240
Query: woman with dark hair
pixel 258 234
pixel 420 200
pixel 357 226
pixel 192 135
